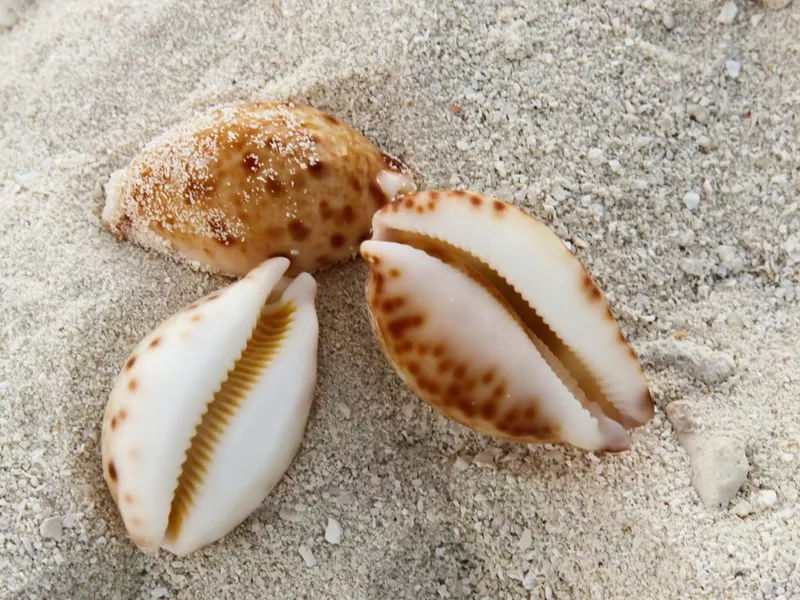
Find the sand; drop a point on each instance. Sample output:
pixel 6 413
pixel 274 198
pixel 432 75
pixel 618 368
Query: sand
pixel 660 143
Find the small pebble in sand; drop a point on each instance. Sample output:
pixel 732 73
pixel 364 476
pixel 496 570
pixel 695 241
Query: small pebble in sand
pixel 775 4
pixel 768 498
pixel 290 516
pixel 728 13
pixel 695 360
pixel 742 508
pixel 461 464
pixel 699 113
pixel 595 157
pixel 668 20
pixel 525 540
pixel 691 200
pixel 308 556
pixel 158 592
pixel 333 532
pixel 719 463
pixel 51 528
pixel 484 459
pixel 733 68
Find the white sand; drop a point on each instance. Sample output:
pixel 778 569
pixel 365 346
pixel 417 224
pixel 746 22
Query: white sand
pixel 578 112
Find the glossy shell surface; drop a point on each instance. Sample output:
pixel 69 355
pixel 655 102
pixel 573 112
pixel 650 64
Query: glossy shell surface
pixel 487 316
pixel 242 183
pixel 210 408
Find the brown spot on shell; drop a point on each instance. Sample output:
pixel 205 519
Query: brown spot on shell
pixel 409 203
pixel 499 206
pixel 404 347
pixel 379 281
pixel 251 162
pixel 325 210
pixel 460 371
pixel 394 272
pixel 488 410
pixel 475 200
pixel 337 240
pixel 196 317
pixel 317 169
pixel 192 306
pixel 438 350
pixel 511 416
pixel 113 423
pixel 112 470
pixel 499 390
pixel 467 407
pixel 330 119
pixel 458 193
pixel 130 363
pixel 590 288
pixel 348 214
pixel 434 196
pixel 127 498
pixel 274 186
pixel 298 230
pixel 392 304
pixel 398 327
pixel 132 384
pixel 444 366
pixel 355 183
pixel 488 377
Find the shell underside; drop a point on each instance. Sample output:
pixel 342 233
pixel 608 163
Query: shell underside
pixel 616 398
pixel 270 330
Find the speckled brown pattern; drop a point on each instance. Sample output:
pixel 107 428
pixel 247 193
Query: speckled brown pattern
pixel 246 182
pixel 438 372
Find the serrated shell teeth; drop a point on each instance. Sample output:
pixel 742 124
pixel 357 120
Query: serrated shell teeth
pixel 488 317
pixel 210 408
pixel 244 182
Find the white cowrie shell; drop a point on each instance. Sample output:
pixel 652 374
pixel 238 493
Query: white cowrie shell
pixel 210 408
pixel 488 317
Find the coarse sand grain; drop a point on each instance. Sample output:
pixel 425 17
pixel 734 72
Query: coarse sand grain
pixel 659 140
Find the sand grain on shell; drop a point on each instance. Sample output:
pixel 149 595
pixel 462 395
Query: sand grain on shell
pixel 596 117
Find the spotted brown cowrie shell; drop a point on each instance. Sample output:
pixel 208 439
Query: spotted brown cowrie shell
pixel 488 317
pixel 245 182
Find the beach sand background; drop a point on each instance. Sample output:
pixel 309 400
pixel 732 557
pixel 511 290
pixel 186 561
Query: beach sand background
pixel 660 140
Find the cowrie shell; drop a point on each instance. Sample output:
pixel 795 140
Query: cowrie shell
pixel 209 410
pixel 245 182
pixel 488 317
